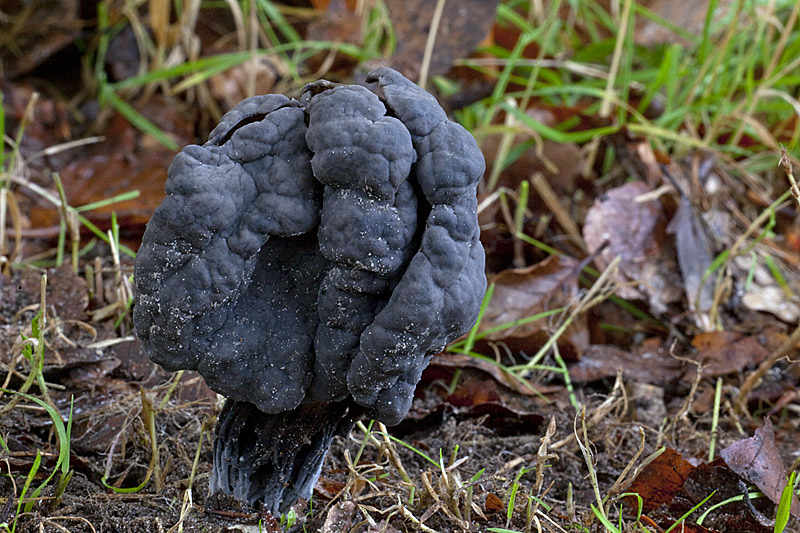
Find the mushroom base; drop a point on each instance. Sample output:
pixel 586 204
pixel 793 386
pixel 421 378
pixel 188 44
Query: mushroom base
pixel 270 461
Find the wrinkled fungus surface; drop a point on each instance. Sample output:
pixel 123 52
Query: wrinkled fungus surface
pixel 315 252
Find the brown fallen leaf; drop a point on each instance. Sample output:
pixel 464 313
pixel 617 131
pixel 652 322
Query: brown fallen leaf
pixel 493 503
pixel 647 363
pixel 758 461
pixel 125 161
pixel 725 352
pixel 524 292
pixel 258 75
pixel 505 413
pixel 661 480
pixel 338 22
pixel 464 24
pixel 457 360
pixel 621 224
pixel 560 163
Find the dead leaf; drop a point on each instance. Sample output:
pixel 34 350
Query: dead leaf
pixel 340 517
pixel 661 480
pixel 457 360
pixel 758 461
pixel 717 479
pixel 327 488
pixel 254 76
pixel 524 292
pixel 101 177
pixel 645 364
pixel 763 293
pixel 464 24
pixel 632 229
pixel 725 352
pixel 493 503
pixel 504 413
pixel 694 258
pixel 771 299
pixel 125 161
pixel 560 163
pixel 338 23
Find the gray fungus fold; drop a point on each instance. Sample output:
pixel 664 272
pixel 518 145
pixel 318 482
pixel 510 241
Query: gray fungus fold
pixel 308 260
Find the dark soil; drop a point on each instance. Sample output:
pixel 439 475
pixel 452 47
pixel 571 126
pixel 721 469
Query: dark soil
pixel 110 437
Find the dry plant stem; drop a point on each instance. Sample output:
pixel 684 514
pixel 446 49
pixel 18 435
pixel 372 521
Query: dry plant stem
pixel 622 478
pixel 542 456
pixel 51 521
pixel 786 166
pixel 752 380
pixel 687 402
pixel 8 203
pixel 154 468
pixel 391 453
pixel 506 142
pixel 408 515
pixel 571 66
pixel 436 20
pixel 187 505
pixel 585 446
pixel 564 219
pixel 605 108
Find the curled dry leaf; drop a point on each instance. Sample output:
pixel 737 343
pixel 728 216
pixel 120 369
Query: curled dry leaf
pixel 524 292
pixel 633 230
pixel 504 412
pixel 694 258
pixel 758 461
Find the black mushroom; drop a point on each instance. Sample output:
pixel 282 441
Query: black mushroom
pixel 308 261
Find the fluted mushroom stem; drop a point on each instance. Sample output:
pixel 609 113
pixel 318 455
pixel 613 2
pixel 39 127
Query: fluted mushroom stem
pixel 273 460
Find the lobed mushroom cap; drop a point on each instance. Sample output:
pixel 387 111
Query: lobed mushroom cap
pixel 315 250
